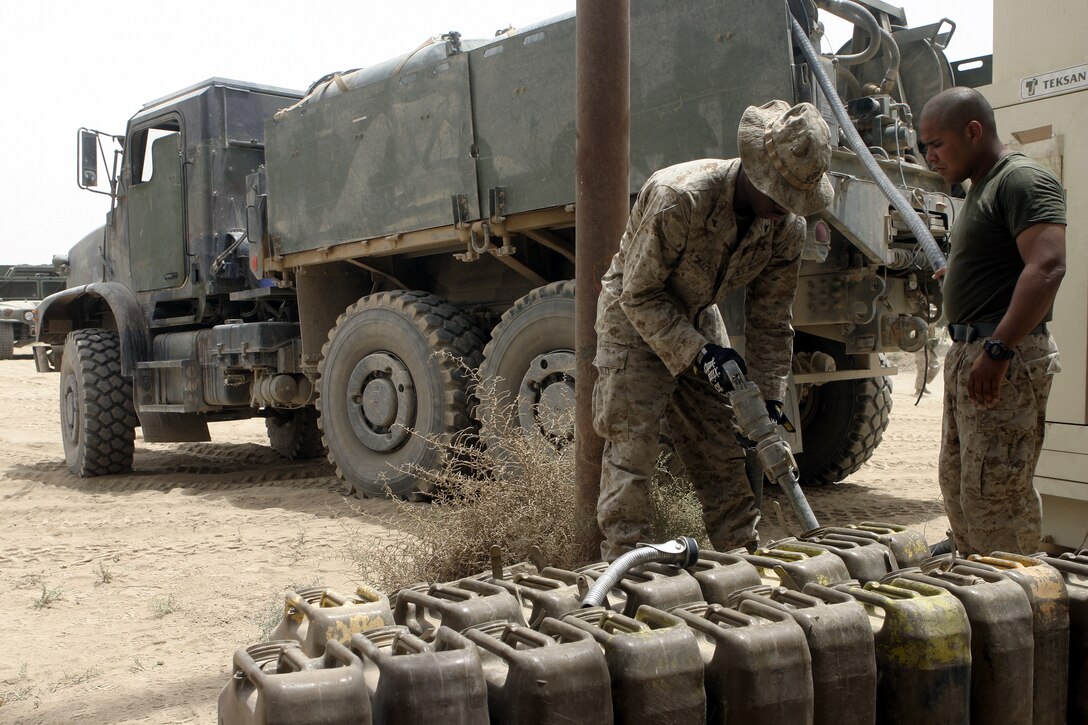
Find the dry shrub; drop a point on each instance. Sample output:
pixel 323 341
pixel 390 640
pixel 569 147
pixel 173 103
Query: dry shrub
pixel 676 508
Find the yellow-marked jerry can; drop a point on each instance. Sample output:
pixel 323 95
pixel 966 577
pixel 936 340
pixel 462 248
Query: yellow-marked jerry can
pixel 317 615
pixel 457 606
pixel 923 652
pixel 275 683
pixel 865 559
pixel 543 596
pixel 756 661
pixel 1049 600
pixel 793 564
pixel 555 676
pixel 721 574
pixel 908 547
pixel 412 682
pixel 1002 647
pixel 1075 571
pixel 654 663
pixel 840 644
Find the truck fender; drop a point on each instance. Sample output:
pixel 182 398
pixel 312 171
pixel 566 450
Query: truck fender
pixel 74 305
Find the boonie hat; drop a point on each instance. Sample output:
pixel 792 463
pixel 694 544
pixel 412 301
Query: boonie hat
pixel 786 153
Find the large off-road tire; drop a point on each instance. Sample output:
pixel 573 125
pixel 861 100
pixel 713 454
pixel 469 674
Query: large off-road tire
pixel 7 341
pixel 393 374
pixel 842 422
pixel 97 420
pixel 295 434
pixel 528 370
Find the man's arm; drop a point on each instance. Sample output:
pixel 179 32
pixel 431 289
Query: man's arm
pixel 1042 247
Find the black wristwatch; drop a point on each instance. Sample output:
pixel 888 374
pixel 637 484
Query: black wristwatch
pixel 997 350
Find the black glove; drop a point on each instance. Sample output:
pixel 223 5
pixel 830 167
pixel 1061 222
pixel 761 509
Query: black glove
pixel 778 415
pixel 710 362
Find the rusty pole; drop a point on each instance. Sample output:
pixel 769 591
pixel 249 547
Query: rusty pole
pixel 602 117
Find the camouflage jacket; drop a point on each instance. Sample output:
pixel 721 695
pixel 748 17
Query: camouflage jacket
pixel 680 255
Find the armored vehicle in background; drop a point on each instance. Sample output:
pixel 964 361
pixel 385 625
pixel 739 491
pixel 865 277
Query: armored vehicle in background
pixel 323 259
pixel 22 286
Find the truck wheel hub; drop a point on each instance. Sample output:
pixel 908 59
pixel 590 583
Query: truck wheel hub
pixel 381 402
pixel 546 398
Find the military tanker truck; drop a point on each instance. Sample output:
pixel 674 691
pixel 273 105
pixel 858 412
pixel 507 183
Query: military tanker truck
pixel 325 259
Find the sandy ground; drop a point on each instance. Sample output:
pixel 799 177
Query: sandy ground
pixel 127 595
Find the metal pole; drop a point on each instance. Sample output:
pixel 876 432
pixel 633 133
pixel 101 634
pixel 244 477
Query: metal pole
pixel 603 103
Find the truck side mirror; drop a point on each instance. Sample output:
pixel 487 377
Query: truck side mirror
pixel 88 158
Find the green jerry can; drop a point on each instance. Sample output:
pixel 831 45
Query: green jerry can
pixel 412 682
pixel 756 664
pixel 1002 646
pixel 535 678
pixel 908 547
pixel 793 564
pixel 721 574
pixel 1075 570
pixel 542 596
pixel 316 615
pixel 866 560
pixel 1049 600
pixel 840 644
pixel 457 606
pixel 923 652
pixel 653 661
pixel 275 683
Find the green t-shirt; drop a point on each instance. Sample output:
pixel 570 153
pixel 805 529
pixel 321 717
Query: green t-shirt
pixel 985 263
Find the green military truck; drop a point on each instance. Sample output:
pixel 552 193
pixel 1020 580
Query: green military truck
pixel 22 286
pixel 325 259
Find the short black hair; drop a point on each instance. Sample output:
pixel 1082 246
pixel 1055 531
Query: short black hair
pixel 956 107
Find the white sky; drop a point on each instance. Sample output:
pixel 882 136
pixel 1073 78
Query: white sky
pixel 68 64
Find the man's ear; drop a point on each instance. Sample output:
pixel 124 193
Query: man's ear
pixel 974 130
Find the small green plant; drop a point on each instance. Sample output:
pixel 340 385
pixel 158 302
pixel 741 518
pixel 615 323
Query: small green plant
pixel 47 597
pixel 105 576
pixel 73 679
pixel 162 606
pixel 298 547
pixel 138 666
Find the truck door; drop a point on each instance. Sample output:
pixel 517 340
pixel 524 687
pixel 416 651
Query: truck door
pixel 156 208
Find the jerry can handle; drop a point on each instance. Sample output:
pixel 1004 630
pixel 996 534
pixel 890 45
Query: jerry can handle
pixel 408 643
pixel 702 622
pixel 332 598
pixel 336 653
pixel 538 582
pixel 996 561
pixel 614 623
pixel 369 593
pixel 656 618
pixel 297 608
pixel 296 658
pixel 881 595
pixel 761 608
pixel 450 592
pixel 482 588
pixel 499 646
pixel 1067 565
pixel 828 595
pixel 883 526
pixel 797 599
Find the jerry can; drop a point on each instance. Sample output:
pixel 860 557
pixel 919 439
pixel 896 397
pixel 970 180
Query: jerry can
pixel 721 574
pixel 412 682
pixel 1075 571
pixel 1002 646
pixel 923 652
pixel 840 644
pixel 655 585
pixel 457 606
pixel 793 564
pixel 866 560
pixel 545 596
pixel 316 615
pixel 756 664
pixel 275 683
pixel 908 547
pixel 552 677
pixel 654 663
pixel 1049 601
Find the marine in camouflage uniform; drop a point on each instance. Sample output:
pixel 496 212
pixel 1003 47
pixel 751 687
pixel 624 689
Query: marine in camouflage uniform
pixel 684 249
pixel 1007 260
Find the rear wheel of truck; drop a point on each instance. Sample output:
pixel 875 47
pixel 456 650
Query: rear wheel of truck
pixel 842 422
pixel 7 341
pixel 394 382
pixel 294 434
pixel 527 377
pixel 97 420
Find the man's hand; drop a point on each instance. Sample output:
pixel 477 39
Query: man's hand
pixel 710 362
pixel 984 380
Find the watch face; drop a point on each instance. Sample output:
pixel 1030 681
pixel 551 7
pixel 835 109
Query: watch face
pixel 997 350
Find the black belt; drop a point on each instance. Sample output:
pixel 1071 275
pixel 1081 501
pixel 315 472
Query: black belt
pixel 972 331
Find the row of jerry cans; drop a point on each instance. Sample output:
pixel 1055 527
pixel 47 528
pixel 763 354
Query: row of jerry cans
pixel 790 634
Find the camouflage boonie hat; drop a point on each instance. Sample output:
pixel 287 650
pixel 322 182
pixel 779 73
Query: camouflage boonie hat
pixel 786 153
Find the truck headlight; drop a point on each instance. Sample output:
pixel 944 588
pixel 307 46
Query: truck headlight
pixel 28 315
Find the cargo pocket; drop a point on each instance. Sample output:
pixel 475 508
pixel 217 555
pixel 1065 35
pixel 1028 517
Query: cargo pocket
pixel 609 397
pixel 1039 356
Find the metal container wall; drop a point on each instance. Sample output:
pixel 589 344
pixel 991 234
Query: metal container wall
pixel 1002 646
pixel 840 643
pixel 654 663
pixel 537 679
pixel 1075 571
pixel 721 575
pixel 274 683
pixel 923 652
pixel 757 666
pixel 866 560
pixel 547 597
pixel 316 615
pixel 795 564
pixel 1049 601
pixel 457 606
pixel 412 682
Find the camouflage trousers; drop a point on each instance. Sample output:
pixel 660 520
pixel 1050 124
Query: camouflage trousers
pixel 988 455
pixel 633 396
